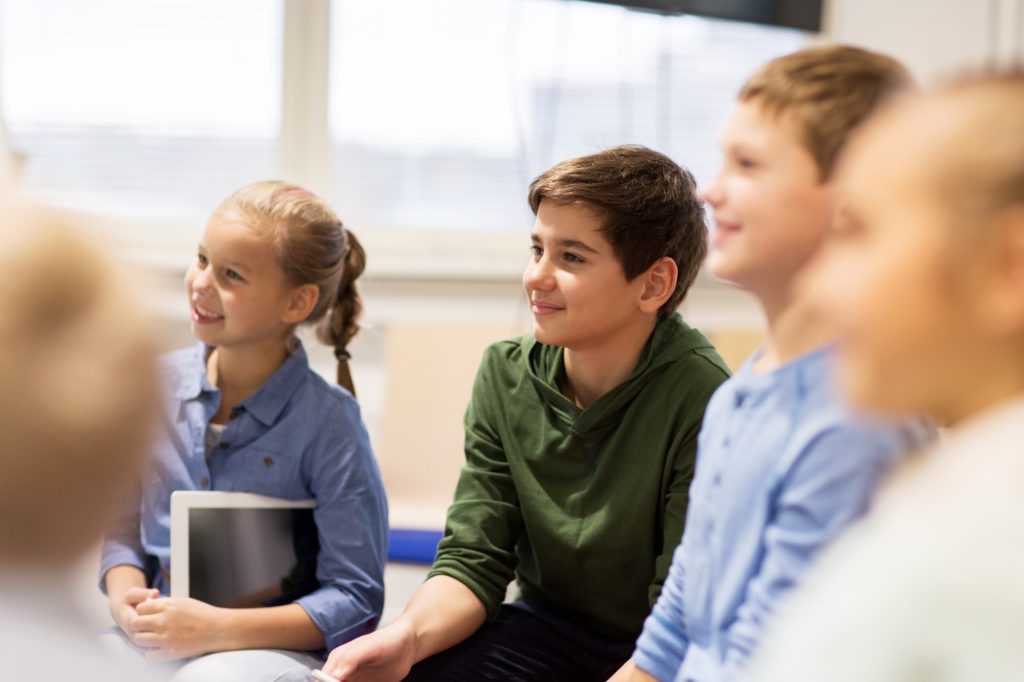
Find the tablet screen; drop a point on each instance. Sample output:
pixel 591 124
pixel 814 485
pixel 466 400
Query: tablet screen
pixel 251 557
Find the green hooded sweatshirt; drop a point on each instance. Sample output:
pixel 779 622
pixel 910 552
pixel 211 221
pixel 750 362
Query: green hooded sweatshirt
pixel 584 507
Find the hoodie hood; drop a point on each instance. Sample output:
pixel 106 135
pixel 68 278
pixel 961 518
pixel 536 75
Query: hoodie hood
pixel 671 339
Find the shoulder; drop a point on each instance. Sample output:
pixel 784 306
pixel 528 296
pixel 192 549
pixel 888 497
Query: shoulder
pixel 507 360
pixel 688 362
pixel 690 349
pixel 181 372
pixel 323 400
pixel 181 362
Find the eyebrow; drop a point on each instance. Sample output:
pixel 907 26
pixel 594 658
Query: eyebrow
pixel 568 244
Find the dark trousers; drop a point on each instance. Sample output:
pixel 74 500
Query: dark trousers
pixel 529 643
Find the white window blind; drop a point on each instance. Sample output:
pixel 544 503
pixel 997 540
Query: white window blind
pixel 149 111
pixel 441 111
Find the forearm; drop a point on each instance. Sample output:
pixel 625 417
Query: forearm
pixel 275 627
pixel 122 578
pixel 630 673
pixel 442 613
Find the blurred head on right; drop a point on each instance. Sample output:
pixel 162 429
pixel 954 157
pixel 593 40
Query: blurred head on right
pixel 924 274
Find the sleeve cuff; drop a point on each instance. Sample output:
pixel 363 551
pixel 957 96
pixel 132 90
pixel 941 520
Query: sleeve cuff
pixel 338 616
pixel 118 556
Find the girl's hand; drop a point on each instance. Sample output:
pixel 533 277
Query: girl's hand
pixel 123 606
pixel 383 656
pixel 172 628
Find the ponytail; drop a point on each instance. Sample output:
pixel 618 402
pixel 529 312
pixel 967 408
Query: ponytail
pixel 311 245
pixel 343 322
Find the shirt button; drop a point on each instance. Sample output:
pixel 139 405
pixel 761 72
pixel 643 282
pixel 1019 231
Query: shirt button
pixel 267 461
pixel 205 482
pixel 225 446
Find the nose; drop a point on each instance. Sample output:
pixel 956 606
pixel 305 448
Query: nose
pixel 198 279
pixel 539 275
pixel 711 193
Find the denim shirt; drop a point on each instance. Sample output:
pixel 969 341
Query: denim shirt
pixel 782 467
pixel 297 437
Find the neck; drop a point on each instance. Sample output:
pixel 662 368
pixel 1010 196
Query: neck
pixel 794 329
pixel 239 371
pixel 996 378
pixel 594 369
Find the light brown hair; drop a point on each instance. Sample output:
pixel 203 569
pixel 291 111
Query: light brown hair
pixel 78 388
pixel 825 92
pixel 648 206
pixel 311 246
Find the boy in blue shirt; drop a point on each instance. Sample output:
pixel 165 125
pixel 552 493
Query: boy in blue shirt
pixel 783 466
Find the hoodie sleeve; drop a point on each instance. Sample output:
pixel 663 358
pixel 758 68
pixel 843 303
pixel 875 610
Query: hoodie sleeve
pixel 705 376
pixel 484 521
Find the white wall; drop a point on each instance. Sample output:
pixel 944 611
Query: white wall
pixel 935 38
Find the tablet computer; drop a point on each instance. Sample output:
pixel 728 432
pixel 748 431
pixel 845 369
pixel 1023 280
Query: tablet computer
pixel 240 549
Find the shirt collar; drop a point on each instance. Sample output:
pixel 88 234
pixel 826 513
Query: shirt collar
pixel 804 373
pixel 265 404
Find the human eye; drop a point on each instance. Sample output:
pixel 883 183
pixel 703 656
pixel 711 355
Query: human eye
pixel 536 250
pixel 201 259
pixel 232 274
pixel 571 257
pixel 746 163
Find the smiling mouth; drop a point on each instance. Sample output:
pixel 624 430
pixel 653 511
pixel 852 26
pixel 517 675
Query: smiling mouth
pixel 542 308
pixel 201 314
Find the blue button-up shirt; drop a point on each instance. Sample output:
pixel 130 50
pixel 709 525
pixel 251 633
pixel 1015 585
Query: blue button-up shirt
pixel 782 467
pixel 297 437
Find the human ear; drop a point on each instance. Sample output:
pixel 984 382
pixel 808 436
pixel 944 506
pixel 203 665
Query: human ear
pixel 659 283
pixel 1000 282
pixel 301 301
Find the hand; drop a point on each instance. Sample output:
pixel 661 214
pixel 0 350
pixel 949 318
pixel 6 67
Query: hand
pixel 384 656
pixel 123 606
pixel 172 628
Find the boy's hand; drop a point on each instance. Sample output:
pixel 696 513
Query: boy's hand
pixel 172 628
pixel 123 606
pixel 383 656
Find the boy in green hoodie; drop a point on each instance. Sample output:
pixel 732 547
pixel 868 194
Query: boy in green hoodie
pixel 580 443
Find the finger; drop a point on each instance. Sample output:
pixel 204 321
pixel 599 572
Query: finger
pixel 136 595
pixel 146 624
pixel 148 640
pixel 151 606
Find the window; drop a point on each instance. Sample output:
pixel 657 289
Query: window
pixel 441 111
pixel 148 111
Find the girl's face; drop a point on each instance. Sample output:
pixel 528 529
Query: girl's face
pixel 237 293
pixel 888 277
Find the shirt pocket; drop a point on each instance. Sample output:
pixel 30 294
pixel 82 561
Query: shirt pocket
pixel 264 472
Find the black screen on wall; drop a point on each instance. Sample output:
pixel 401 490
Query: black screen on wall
pixel 802 14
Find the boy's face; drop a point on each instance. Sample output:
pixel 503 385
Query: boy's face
pixel 768 202
pixel 578 291
pixel 886 278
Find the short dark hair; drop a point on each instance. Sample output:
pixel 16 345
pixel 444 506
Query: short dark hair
pixel 648 204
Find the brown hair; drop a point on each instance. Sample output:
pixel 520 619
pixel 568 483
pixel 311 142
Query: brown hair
pixel 826 92
pixel 648 205
pixel 78 388
pixel 311 246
